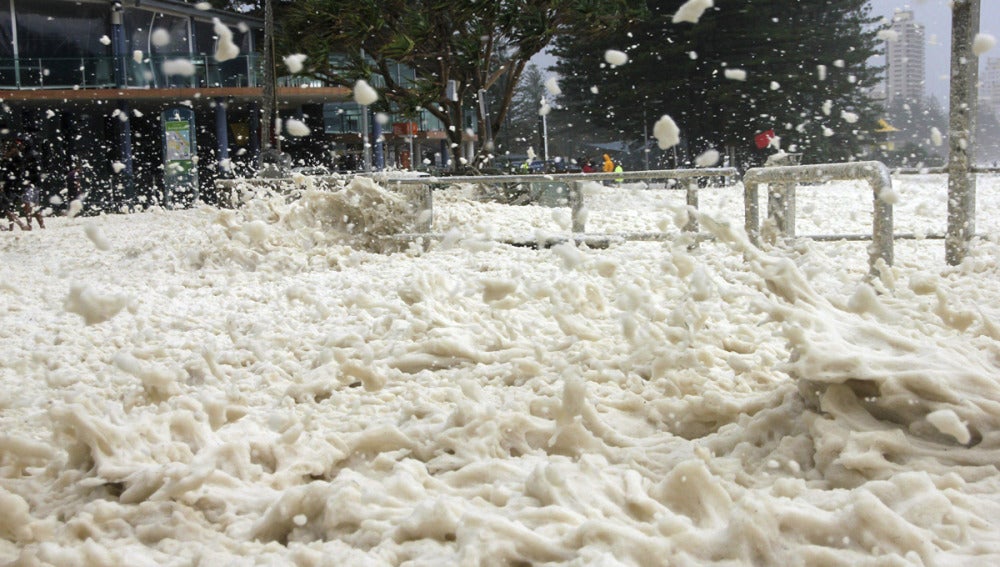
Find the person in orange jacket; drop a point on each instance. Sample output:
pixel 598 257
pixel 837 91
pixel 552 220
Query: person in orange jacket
pixel 609 166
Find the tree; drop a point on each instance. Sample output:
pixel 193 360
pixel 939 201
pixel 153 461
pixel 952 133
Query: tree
pixel 681 70
pixel 915 121
pixel 523 119
pixel 480 45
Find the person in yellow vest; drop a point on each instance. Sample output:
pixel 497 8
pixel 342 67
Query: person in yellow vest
pixel 619 169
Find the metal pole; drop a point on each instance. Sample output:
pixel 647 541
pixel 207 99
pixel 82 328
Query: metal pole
pixel 645 137
pixel 222 138
pixel 413 158
pixel 268 105
pixel 366 147
pixel 545 141
pixel 961 179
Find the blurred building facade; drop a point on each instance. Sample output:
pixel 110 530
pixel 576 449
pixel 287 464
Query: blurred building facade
pixel 906 75
pixel 102 88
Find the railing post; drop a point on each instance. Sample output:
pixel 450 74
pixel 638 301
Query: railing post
pixel 576 206
pixel 882 219
pixel 751 209
pixel 781 207
pixel 782 181
pixel 692 201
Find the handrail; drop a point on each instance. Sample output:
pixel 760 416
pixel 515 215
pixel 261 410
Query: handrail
pixel 781 183
pixel 543 177
pixel 574 197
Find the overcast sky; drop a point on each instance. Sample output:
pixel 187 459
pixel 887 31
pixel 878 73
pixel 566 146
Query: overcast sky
pixel 935 15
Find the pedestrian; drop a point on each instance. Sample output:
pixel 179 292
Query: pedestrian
pixel 10 197
pixel 27 166
pixel 588 166
pixel 609 165
pixel 74 185
pixel 619 169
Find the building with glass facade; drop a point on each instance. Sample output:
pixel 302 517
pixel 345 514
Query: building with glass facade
pixel 94 84
pixel 103 88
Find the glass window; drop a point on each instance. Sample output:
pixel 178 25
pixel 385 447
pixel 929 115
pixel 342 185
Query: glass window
pixel 143 31
pixel 342 118
pixel 59 43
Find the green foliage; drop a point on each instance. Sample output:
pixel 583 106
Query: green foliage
pixel 679 69
pixel 479 44
pixel 523 130
pixel 914 121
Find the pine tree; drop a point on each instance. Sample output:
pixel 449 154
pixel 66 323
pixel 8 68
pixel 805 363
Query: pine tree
pixel 523 130
pixel 680 70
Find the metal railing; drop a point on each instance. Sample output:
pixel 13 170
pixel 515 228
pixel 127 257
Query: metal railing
pixel 571 184
pixel 782 182
pixel 99 72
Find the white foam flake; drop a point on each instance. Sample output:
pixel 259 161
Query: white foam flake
pixel 666 132
pixel 181 67
pixel 160 37
pixel 736 74
pixel 709 158
pixel 982 43
pixel 615 57
pixel 225 49
pixel 105 40
pixel 552 86
pixel 294 62
pixel 364 94
pixel 887 35
pixel 692 11
pixel 936 137
pixel 296 127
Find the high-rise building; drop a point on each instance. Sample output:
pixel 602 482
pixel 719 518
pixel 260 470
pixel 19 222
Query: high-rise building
pixel 905 74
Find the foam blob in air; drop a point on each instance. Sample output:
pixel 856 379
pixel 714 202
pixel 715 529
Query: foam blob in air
pixel 983 43
pixel 297 128
pixel 294 62
pixel 707 159
pixel 736 74
pixel 160 37
pixel 181 67
pixel 615 57
pixel 552 86
pixel 936 137
pixel 666 132
pixel 887 35
pixel 364 93
pixel 225 49
pixel 692 11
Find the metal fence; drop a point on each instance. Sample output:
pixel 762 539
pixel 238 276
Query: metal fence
pixel 782 182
